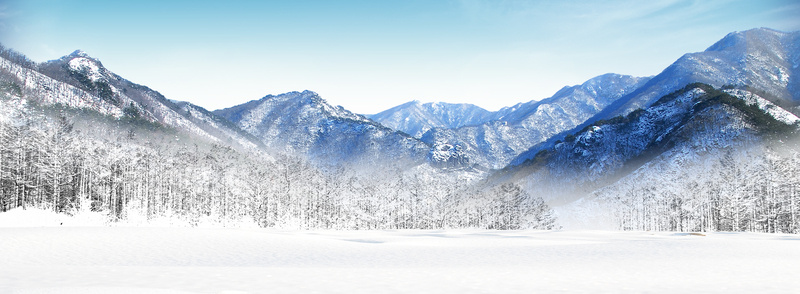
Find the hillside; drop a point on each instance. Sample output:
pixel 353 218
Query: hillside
pixel 679 151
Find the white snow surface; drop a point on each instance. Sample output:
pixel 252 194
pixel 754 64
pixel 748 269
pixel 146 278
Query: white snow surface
pixel 51 258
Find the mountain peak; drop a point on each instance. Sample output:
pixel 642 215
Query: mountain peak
pixel 306 95
pixel 78 53
pixel 743 39
pixel 764 30
pixel 309 93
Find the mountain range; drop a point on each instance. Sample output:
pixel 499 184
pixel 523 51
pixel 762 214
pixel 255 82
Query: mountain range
pixel 586 150
pixel 443 134
pixel 764 60
pixel 513 130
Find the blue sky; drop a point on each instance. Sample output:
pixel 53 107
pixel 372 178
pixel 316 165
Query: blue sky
pixel 371 55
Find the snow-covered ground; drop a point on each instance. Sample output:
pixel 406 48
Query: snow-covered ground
pixel 79 258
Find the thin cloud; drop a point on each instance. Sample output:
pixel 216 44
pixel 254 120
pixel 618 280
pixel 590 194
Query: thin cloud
pixel 4 11
pixel 4 15
pixel 503 10
pixel 787 13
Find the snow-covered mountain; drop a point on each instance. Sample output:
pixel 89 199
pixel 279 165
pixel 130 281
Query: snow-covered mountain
pixel 513 130
pixel 304 123
pixel 79 81
pixel 765 60
pixel 597 171
pixel 415 118
pixel 447 135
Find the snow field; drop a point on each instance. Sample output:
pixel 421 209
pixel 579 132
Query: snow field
pixel 239 260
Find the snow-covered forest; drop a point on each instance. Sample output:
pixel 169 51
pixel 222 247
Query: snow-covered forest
pixel 754 189
pixel 65 160
pixel 700 159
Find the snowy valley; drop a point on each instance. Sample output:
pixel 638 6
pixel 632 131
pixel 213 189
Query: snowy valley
pixel 621 184
pixel 77 136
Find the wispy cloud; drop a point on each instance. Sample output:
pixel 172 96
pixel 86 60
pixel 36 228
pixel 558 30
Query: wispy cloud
pixel 787 13
pixel 4 14
pixel 7 15
pixel 4 11
pixel 503 10
pixel 582 17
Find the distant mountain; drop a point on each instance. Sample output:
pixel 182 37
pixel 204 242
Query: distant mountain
pixel 303 123
pixel 416 118
pixel 513 130
pixel 80 81
pixel 765 60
